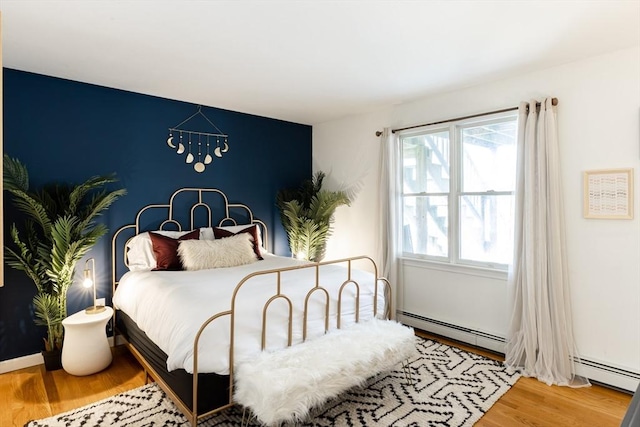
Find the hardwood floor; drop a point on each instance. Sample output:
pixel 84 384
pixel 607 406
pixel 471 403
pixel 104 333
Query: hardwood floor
pixel 34 393
pixel 533 403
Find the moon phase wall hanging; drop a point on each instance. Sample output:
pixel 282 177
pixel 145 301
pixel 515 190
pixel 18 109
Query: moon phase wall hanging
pixel 187 139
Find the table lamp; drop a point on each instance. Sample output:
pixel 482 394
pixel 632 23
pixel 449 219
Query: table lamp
pixel 90 281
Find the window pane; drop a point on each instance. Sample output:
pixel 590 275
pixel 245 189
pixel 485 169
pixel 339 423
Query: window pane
pixel 425 225
pixel 425 162
pixel 489 157
pixel 486 228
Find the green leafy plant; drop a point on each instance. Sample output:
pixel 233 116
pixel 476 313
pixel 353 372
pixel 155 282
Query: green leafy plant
pixel 307 214
pixel 59 229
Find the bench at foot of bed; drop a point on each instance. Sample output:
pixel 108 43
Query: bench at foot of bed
pixel 282 386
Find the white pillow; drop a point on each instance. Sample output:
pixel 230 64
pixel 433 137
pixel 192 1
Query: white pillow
pixel 228 252
pixel 140 255
pixel 206 233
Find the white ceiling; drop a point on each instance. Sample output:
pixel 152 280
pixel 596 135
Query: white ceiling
pixel 306 61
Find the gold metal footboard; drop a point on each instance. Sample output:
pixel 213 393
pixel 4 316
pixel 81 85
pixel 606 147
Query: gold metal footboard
pixel 193 415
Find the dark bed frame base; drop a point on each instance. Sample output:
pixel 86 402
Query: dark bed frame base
pixel 213 389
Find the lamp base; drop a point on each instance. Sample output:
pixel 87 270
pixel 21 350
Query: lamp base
pixel 95 309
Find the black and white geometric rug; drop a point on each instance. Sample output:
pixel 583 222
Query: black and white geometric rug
pixel 451 387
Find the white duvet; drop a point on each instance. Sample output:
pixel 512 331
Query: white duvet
pixel 170 307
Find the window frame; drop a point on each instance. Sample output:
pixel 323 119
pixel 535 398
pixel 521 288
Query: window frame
pixel 455 129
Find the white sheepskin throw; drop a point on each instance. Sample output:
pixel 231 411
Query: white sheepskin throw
pixel 282 386
pixel 228 252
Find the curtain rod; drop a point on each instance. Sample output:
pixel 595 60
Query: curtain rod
pixel 554 101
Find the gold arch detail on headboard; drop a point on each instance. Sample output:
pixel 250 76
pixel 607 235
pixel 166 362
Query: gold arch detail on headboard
pixel 184 200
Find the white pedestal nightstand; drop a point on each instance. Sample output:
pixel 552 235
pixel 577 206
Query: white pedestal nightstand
pixel 85 349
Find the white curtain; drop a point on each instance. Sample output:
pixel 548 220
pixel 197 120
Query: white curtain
pixel 388 209
pixel 540 342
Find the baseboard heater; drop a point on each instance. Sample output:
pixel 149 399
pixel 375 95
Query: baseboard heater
pixel 597 371
pixel 474 337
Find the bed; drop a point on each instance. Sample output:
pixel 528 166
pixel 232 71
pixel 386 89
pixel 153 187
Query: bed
pixel 190 324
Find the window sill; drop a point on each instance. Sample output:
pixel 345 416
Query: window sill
pixel 454 268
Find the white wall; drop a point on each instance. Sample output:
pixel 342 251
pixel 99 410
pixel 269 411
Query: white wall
pixel 349 152
pixel 599 128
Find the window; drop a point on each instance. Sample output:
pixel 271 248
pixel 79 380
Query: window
pixel 458 182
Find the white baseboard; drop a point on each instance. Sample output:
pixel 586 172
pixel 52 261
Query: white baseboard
pixel 30 360
pixel 621 378
pixel 21 363
pixel 602 372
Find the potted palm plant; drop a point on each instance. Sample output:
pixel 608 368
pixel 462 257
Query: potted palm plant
pixel 307 214
pixel 59 229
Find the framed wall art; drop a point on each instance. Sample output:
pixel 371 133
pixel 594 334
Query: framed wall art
pixel 608 194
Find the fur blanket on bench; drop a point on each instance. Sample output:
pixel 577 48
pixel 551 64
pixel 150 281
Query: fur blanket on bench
pixel 282 386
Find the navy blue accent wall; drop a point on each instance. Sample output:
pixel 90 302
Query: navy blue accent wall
pixel 65 131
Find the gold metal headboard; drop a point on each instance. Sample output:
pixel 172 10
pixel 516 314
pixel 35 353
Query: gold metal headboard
pixel 188 200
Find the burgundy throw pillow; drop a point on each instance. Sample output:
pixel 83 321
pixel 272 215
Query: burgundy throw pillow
pixel 165 250
pixel 221 233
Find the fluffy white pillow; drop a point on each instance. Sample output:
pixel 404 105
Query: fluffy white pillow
pixel 228 252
